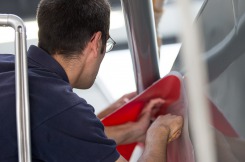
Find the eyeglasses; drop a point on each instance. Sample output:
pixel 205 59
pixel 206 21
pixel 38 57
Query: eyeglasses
pixel 110 43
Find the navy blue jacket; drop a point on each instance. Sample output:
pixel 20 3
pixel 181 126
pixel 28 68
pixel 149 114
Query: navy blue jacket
pixel 64 127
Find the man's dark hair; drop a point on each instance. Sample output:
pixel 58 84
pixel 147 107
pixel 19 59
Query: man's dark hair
pixel 66 26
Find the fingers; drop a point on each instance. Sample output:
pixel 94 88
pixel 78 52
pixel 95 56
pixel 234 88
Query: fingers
pixel 144 119
pixel 150 109
pixel 127 97
pixel 174 136
pixel 175 124
pixel 153 104
pixel 130 95
pixel 172 123
pixel 168 125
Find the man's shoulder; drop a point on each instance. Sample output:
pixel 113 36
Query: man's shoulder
pixel 6 62
pixel 6 57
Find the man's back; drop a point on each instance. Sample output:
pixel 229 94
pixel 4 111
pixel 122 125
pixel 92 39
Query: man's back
pixel 8 140
pixel 63 126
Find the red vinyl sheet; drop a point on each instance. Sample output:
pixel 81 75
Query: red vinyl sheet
pixel 169 88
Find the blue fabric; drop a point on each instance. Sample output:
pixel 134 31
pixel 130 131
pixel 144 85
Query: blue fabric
pixel 64 127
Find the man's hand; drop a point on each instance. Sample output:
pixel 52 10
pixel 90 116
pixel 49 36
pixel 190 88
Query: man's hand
pixel 167 125
pixel 146 117
pixel 119 103
pixel 135 131
pixel 163 130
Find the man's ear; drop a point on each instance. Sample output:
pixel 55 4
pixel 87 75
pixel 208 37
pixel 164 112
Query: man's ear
pixel 96 43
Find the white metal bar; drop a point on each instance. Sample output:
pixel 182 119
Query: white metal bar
pixel 21 79
pixel 202 135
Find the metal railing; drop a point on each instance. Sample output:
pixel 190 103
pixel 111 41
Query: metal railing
pixel 142 41
pixel 21 80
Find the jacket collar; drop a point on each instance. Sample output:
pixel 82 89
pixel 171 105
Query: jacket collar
pixel 40 58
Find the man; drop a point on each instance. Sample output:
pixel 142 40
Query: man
pixel 71 46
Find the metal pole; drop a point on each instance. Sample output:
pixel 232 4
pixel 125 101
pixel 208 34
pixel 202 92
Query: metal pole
pixel 142 41
pixel 202 135
pixel 22 93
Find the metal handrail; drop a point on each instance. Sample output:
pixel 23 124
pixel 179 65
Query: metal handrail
pixel 21 80
pixel 142 41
